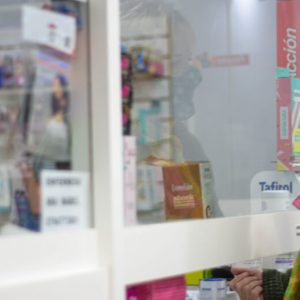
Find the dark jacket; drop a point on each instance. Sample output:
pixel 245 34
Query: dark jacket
pixel 275 284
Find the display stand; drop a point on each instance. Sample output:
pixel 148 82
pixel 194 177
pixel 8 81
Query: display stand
pixel 152 95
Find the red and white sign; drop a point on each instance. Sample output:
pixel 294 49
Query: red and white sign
pixel 288 36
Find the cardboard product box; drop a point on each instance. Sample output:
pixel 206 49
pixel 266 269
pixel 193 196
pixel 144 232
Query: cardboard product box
pixel 182 191
pixel 166 289
pixel 185 190
pixel 288 124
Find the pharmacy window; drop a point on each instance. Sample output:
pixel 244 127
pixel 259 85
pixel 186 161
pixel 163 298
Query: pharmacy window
pixel 44 113
pixel 210 108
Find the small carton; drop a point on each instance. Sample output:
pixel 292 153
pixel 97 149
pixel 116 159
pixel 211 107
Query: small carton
pixel 166 289
pixel 185 190
pixel 182 191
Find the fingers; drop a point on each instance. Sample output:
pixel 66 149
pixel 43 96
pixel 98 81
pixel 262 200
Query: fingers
pixel 235 283
pixel 251 272
pixel 247 286
pixel 238 271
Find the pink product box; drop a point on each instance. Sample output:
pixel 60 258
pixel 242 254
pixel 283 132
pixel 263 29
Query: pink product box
pixel 166 289
pixel 125 63
pixel 130 180
pixel 288 36
pixel 126 89
pixel 296 202
pixel 288 124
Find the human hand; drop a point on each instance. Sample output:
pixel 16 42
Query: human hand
pixel 238 271
pixel 247 283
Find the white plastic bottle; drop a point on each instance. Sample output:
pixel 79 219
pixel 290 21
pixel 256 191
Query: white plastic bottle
pixel 212 289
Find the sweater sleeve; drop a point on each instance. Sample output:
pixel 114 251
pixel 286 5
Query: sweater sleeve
pixel 275 284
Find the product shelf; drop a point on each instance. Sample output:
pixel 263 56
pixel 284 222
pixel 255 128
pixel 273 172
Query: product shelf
pixel 188 246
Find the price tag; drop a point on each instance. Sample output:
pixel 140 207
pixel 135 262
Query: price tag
pixel 64 200
pixel 49 28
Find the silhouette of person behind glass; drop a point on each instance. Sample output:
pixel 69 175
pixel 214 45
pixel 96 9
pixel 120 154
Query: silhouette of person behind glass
pixel 186 77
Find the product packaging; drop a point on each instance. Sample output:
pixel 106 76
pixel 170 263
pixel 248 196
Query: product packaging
pixel 130 180
pixel 288 86
pixel 184 189
pixel 127 90
pixel 212 289
pixel 285 262
pixel 288 37
pixel 207 189
pixel 166 289
pixel 193 278
pixel 288 125
pixel 25 217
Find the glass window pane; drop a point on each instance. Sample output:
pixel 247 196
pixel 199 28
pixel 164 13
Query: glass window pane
pixel 199 95
pixel 44 113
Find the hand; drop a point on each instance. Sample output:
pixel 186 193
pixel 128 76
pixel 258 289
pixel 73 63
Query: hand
pixel 238 271
pixel 247 283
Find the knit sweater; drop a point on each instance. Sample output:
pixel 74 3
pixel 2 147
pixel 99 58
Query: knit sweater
pixel 275 284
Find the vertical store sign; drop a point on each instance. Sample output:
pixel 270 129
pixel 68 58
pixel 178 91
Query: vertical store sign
pixel 64 200
pixel 49 28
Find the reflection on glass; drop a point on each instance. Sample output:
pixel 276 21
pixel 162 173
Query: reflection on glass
pixel 43 91
pixel 203 89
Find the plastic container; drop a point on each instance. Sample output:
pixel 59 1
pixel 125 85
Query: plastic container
pixel 213 289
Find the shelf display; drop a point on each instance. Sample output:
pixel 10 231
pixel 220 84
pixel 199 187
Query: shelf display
pixel 39 104
pixel 195 109
pixel 157 111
